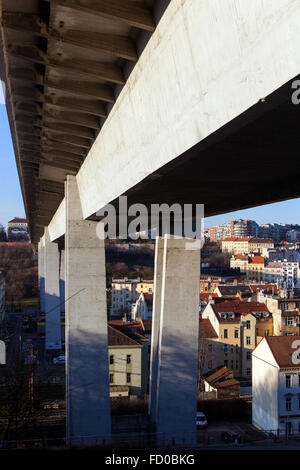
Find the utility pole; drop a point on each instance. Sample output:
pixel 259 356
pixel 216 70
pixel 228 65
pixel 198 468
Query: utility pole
pixel 31 376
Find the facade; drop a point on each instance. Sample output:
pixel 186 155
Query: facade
pixel 128 360
pixel 125 292
pixel 17 228
pixel 239 326
pixel 276 385
pixel 286 273
pixel 285 309
pixel 143 307
pixel 235 245
pixel 221 381
pixel 239 291
pixel 234 228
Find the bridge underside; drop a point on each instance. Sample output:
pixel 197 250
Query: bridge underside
pixel 251 161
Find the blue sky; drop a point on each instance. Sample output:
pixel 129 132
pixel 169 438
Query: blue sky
pixel 11 203
pixel 286 212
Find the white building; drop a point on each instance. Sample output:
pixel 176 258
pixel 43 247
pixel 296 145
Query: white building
pixel 125 292
pixel 143 307
pixel 285 272
pixel 276 385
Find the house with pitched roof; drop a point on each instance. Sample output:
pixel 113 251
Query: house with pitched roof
pixel 239 326
pixel 221 381
pixel 276 385
pixel 142 309
pixel 128 351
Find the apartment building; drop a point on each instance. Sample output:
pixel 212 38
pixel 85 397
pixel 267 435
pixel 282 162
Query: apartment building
pixel 285 272
pixel 276 385
pixel 238 326
pixel 125 292
pixel 235 245
pixel 128 351
pixel 143 307
pixel 285 309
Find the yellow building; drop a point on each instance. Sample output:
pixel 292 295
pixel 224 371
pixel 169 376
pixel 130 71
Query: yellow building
pixel 125 292
pixel 145 287
pixel 256 268
pixel 237 245
pixel 128 359
pixel 238 326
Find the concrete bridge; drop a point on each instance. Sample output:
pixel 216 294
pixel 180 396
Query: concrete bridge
pixel 182 101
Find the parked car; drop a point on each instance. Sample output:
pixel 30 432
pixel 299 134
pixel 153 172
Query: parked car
pixel 201 420
pixel 229 436
pixel 59 359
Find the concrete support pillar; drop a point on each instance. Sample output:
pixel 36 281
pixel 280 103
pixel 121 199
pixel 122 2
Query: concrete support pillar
pixel 41 273
pixel 156 318
pixel 52 294
pixel 62 281
pixel 176 395
pixel 87 379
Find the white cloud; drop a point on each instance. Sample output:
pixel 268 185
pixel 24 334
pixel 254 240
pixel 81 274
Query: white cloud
pixel 2 92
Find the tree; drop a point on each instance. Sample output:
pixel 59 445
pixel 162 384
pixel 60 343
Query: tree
pixel 3 236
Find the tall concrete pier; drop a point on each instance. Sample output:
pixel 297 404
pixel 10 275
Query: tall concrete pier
pixel 173 401
pixel 87 382
pixel 52 294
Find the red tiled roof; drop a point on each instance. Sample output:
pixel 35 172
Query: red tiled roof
pixel 239 308
pixel 206 330
pixel 205 296
pixel 281 347
pixel 122 323
pixel 268 287
pixel 119 338
pixel 257 259
pixel 18 220
pixel 221 377
pixel 237 239
pixel 262 240
pixel 241 257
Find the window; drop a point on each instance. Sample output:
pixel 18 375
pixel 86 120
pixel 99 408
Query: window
pixel 128 378
pixel 232 349
pixel 289 321
pixel 231 364
pixel 288 403
pixel 225 333
pixel 226 363
pixel 128 358
pixel 236 333
pixel 248 355
pixel 111 359
pixel 210 348
pixel 248 371
pixel 266 332
pixel 248 340
pixel 288 381
pixel 248 324
pixel 236 349
pixel 111 378
pixel 225 347
pixel 236 364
